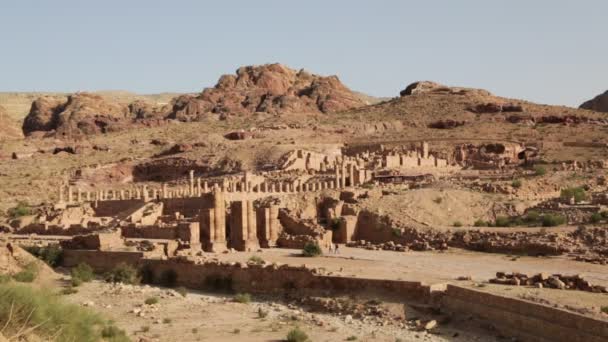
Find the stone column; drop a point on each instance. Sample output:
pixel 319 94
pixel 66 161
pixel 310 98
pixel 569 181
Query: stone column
pixel 61 198
pixel 70 194
pixel 425 149
pixel 191 190
pixel 198 187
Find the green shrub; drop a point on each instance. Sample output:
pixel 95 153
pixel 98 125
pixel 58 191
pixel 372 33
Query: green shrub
pixel 22 209
pixel 76 282
pixel 480 223
pixel 351 338
pixel 604 214
pixel 297 335
pixel 4 278
pixel 52 255
pixel 151 300
pixel 578 193
pixel 397 232
pixel 83 272
pixel 112 333
pixel 502 221
pixel 53 319
pixel 540 170
pixel 551 220
pixel 256 260
pixel 312 249
pixel 122 273
pixel 167 320
pixel 244 298
pixel 532 217
pixel 596 218
pixel 516 183
pixel 69 290
pixel 28 274
pixel 604 309
pixel 457 224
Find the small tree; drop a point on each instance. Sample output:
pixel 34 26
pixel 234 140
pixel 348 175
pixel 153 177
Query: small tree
pixel 312 249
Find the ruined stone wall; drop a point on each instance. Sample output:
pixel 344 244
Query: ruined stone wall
pixel 111 208
pixel 188 206
pixel 150 232
pixel 100 261
pixel 526 320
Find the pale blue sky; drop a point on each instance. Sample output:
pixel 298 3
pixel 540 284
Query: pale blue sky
pixel 548 51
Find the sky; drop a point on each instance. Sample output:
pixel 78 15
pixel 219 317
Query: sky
pixel 546 51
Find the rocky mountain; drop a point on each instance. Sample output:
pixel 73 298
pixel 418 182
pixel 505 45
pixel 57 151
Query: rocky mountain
pixel 598 103
pixel 270 88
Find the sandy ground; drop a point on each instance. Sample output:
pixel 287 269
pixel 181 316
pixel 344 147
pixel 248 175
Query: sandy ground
pixel 429 267
pixel 209 317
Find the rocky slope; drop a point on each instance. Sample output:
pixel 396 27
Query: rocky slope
pixel 598 103
pixel 271 88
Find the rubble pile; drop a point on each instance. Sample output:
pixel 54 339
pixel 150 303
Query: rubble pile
pixel 544 280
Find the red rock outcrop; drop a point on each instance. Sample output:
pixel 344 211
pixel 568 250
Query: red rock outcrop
pixel 270 88
pixel 428 87
pixel 598 103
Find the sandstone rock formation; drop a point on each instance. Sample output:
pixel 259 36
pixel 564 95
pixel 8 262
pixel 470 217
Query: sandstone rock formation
pixel 598 103
pixel 82 113
pixel 428 87
pixel 270 88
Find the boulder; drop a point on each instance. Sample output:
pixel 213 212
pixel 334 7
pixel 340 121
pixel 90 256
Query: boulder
pixel 598 103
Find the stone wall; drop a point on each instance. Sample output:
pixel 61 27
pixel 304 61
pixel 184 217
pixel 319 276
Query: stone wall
pixel 111 208
pixel 101 261
pixel 526 320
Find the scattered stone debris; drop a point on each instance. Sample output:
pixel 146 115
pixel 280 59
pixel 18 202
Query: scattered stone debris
pixel 545 280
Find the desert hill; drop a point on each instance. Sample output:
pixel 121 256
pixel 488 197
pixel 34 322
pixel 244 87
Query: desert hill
pixel 271 89
pixel 598 103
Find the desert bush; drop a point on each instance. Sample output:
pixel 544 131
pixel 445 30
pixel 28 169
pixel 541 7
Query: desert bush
pixel 244 298
pixel 312 249
pixel 516 183
pixel 551 220
pixel 167 320
pixel 83 272
pixel 438 200
pixel 540 170
pixel 604 309
pixel 151 301
pixel 28 274
pixel 351 338
pixel 51 254
pixel 112 333
pixel 256 260
pixel 69 290
pixel 596 218
pixel 578 193
pixel 396 232
pixel 297 335
pixel 502 221
pixel 480 223
pixel 122 273
pixel 21 209
pixel 51 318
pixel 457 224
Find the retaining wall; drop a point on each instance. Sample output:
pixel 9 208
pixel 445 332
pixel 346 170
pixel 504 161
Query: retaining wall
pixel 526 320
